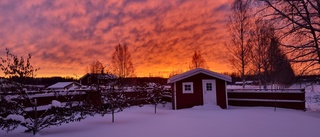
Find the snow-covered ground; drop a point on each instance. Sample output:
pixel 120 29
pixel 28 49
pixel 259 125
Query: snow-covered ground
pixel 200 121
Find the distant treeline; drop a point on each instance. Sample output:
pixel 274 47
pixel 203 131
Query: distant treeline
pixel 307 78
pixel 46 81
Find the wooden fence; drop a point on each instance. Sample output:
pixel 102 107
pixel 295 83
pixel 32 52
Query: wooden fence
pixel 44 100
pixel 286 98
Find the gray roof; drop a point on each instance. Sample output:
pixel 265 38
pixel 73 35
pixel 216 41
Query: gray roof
pixel 61 85
pixel 193 72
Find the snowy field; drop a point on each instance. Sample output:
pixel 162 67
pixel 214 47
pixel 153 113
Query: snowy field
pixel 200 121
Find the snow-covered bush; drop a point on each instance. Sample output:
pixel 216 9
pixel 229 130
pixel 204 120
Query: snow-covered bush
pixel 11 96
pixel 155 96
pixel 8 124
pixel 20 109
pixel 56 103
pixel 114 100
pixel 141 93
pixel 15 101
pixel 56 113
pixel 150 93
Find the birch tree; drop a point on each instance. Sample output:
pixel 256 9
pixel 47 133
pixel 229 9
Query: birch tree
pixel 239 27
pixel 268 60
pixel 198 61
pixel 260 39
pixel 121 62
pixel 96 67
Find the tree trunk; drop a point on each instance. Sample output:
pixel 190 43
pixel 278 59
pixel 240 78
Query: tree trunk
pixel 35 124
pixel 112 115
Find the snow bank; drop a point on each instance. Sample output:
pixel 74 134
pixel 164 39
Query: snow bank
pixel 312 97
pixel 200 121
pixel 16 118
pixel 56 103
pixel 8 98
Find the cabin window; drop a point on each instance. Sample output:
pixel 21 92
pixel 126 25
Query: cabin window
pixel 209 86
pixel 187 87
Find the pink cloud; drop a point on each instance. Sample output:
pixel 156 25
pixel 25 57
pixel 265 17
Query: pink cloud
pixel 65 36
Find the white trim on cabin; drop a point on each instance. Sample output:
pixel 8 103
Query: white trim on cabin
pixel 197 71
pixel 208 94
pixel 187 87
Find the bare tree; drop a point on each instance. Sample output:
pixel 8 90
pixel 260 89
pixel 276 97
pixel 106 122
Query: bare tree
pixel 14 66
pixel 113 98
pixel 299 20
pixel 268 60
pixel 121 62
pixel 96 67
pixel 239 27
pixel 175 72
pixel 260 39
pixel 198 61
pixel 155 96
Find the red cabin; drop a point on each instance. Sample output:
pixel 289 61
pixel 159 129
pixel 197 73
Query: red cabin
pixel 198 87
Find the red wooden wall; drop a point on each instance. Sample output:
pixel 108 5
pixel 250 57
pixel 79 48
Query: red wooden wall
pixel 196 98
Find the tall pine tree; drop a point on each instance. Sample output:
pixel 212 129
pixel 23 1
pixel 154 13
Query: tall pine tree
pixel 281 72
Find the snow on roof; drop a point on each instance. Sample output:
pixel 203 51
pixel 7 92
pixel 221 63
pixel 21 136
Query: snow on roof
pixel 197 71
pixel 74 88
pixel 60 85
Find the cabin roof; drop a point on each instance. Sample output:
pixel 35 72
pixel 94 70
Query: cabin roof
pixel 193 72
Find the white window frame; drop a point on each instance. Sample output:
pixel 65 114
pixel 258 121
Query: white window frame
pixel 211 87
pixel 184 91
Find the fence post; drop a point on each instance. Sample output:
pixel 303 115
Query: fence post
pixel 275 101
pixel 35 123
pixel 304 94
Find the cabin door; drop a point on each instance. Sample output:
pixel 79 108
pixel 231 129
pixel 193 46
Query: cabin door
pixel 209 91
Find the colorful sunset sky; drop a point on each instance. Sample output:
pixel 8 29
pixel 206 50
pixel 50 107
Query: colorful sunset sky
pixel 65 36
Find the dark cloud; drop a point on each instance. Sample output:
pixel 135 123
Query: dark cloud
pixel 222 8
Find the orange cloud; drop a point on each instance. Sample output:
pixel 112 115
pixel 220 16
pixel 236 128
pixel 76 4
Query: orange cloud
pixel 65 36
